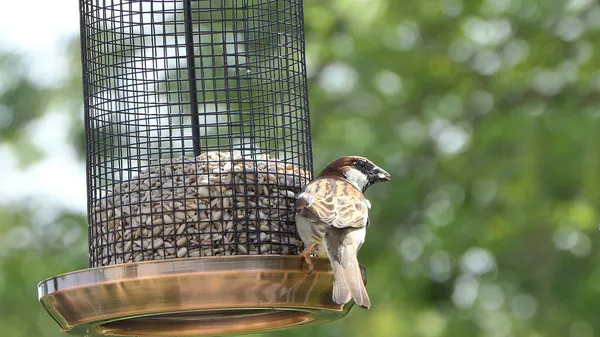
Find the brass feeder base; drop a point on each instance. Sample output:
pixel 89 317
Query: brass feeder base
pixel 193 296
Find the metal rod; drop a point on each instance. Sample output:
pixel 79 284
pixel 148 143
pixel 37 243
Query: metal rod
pixel 191 69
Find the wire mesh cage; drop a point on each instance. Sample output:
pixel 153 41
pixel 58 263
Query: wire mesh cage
pixel 197 127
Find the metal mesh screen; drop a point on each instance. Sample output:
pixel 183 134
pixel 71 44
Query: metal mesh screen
pixel 197 127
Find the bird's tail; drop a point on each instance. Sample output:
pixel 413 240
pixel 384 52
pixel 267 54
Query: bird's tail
pixel 347 277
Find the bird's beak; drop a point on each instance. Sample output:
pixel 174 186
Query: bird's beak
pixel 378 174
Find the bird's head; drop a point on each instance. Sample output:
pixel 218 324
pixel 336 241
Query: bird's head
pixel 359 171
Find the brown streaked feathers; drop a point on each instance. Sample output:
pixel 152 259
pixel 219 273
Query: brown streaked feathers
pixel 341 204
pixel 331 217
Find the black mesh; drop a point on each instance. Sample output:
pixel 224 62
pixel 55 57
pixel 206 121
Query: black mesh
pixel 197 127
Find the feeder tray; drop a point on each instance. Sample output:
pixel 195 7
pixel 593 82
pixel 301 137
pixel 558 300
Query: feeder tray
pixel 193 296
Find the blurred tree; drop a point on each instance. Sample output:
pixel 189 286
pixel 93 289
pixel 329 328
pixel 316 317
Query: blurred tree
pixel 485 113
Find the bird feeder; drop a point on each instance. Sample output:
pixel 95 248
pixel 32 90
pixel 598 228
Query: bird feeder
pixel 197 139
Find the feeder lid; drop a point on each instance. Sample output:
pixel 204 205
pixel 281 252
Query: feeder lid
pixel 193 296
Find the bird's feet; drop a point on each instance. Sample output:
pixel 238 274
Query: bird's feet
pixel 306 254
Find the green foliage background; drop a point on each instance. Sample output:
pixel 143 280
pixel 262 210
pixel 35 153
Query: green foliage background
pixel 486 113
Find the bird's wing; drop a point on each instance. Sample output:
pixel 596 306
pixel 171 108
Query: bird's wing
pixel 314 203
pixel 351 211
pixel 333 202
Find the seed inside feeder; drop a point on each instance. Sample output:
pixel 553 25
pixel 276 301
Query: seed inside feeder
pixel 216 204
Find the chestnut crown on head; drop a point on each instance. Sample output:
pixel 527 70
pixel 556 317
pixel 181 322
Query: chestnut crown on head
pixel 359 171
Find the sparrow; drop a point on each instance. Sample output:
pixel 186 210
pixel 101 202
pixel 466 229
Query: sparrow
pixel 332 215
